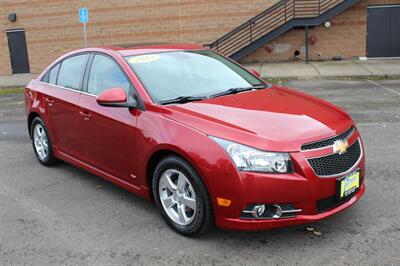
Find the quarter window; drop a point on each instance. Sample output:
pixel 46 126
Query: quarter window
pixel 71 72
pixel 106 74
pixel 53 74
pixel 46 77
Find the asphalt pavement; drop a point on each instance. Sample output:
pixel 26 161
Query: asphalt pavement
pixel 65 216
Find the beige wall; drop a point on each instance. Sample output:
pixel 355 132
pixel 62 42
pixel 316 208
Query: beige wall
pixel 52 26
pixel 4 57
pixel 345 38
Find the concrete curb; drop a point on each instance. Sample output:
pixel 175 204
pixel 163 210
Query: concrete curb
pixel 18 80
pixel 346 69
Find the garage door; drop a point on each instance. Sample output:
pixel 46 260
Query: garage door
pixel 383 31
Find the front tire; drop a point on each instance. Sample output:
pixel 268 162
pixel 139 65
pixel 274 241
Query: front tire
pixel 41 142
pixel 181 197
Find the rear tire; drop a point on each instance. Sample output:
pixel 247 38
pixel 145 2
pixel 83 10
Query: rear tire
pixel 182 197
pixel 41 142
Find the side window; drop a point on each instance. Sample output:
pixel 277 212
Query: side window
pixel 71 72
pixel 53 74
pixel 106 74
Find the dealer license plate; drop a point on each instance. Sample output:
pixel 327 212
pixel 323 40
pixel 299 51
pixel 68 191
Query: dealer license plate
pixel 349 184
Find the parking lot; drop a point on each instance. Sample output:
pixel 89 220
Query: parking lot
pixel 63 215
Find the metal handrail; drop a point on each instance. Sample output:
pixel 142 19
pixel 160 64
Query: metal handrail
pixel 268 20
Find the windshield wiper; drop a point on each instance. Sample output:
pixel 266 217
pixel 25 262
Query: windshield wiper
pixel 183 99
pixel 237 90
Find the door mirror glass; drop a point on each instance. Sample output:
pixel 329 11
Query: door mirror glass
pixel 115 97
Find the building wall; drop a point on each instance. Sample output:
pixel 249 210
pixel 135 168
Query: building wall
pixel 52 26
pixel 4 61
pixel 345 38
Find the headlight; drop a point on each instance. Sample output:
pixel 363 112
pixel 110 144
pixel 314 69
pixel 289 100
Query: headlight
pixel 253 160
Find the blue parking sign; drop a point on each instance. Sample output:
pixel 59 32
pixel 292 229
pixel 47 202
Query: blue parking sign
pixel 83 15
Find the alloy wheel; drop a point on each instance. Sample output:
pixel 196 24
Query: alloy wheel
pixel 40 142
pixel 177 197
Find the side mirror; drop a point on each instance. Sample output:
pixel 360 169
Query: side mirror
pixel 115 97
pixel 255 73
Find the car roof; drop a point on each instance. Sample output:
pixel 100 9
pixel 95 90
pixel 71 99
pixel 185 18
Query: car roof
pixel 145 48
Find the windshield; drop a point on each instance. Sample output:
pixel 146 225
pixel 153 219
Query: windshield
pixel 170 75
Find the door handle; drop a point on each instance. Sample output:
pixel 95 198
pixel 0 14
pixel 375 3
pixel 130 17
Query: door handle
pixel 85 114
pixel 49 101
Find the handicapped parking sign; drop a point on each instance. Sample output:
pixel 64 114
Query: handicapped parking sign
pixel 84 19
pixel 83 15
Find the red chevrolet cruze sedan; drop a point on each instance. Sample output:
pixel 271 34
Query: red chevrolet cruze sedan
pixel 206 139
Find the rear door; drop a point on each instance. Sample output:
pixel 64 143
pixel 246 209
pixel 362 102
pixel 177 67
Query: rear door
pixel 108 133
pixel 62 103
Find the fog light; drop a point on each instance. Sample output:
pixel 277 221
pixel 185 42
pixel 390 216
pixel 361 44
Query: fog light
pixel 269 211
pixel 276 210
pixel 258 210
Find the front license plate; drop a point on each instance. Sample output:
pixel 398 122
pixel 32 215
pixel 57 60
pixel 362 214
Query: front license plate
pixel 349 184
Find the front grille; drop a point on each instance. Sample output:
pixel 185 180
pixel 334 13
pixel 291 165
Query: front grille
pixel 328 142
pixel 336 164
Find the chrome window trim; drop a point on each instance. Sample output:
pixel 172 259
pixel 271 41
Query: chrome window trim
pixel 343 173
pixel 69 89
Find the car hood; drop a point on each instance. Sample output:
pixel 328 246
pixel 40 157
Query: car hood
pixel 274 119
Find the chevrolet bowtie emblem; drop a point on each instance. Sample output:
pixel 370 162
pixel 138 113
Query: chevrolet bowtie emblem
pixel 340 146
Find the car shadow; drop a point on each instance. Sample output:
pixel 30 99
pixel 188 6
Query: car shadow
pixel 323 231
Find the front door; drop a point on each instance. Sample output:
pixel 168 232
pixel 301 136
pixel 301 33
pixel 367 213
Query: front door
pixel 383 31
pixel 18 51
pixel 108 133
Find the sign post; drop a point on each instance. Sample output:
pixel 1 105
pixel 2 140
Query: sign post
pixel 84 18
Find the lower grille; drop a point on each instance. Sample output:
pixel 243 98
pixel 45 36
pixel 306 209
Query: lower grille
pixel 327 204
pixel 336 164
pixel 332 202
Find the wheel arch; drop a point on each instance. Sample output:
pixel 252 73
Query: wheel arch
pixel 155 158
pixel 164 152
pixel 31 116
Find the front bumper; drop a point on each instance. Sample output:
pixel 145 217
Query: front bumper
pixel 241 224
pixel 312 195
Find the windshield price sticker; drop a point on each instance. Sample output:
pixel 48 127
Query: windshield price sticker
pixel 144 59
